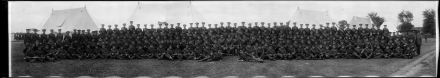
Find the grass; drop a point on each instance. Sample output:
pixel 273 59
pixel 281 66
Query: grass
pixel 190 68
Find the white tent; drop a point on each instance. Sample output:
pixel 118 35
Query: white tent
pixel 392 27
pixel 169 12
pixel 361 20
pixel 69 19
pixel 311 17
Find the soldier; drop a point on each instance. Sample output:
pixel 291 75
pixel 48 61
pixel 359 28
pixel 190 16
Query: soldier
pixel 43 37
pixel 131 28
pixel 116 30
pixel 124 29
pixel 51 37
pixel 101 31
pixel 109 30
pixel 138 29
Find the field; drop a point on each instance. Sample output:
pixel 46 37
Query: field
pixel 228 67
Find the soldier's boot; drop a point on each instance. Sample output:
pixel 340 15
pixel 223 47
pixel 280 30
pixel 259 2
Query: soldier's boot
pixel 169 56
pixel 50 58
pixel 377 55
pixel 41 59
pixel 297 56
pixel 240 58
pixel 257 59
pixel 272 57
pixel 205 58
pixel 337 56
pixel 79 57
pixel 358 56
pixel 137 56
pixel 180 57
pixel 150 56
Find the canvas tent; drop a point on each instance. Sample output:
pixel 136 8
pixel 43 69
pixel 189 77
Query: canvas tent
pixel 361 20
pixel 392 27
pixel 69 19
pixel 311 17
pixel 169 12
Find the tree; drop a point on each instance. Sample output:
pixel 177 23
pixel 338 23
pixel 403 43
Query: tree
pixel 342 24
pixel 405 18
pixel 377 20
pixel 429 21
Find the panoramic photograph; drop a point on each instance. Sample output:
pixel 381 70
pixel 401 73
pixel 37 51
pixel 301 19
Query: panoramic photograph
pixel 222 39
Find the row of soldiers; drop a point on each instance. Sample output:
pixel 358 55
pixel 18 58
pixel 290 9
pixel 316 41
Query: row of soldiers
pixel 251 43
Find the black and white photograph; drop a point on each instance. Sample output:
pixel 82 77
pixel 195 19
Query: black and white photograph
pixel 222 39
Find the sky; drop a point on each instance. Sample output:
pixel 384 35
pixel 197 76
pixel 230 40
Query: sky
pixel 33 14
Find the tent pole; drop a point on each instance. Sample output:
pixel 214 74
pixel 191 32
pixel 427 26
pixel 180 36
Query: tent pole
pixel 135 9
pixel 200 14
pixel 191 11
pixel 46 20
pixel 80 17
pixel 93 18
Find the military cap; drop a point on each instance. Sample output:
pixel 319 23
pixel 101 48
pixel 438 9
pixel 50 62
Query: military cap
pixel 83 30
pixel 366 25
pixel 138 25
pixel 333 23
pixel 274 23
pixel 209 25
pixel 74 30
pixel 102 25
pixel 242 23
pixel 235 24
pixel 313 25
pixel 197 23
pixel 215 25
pixel 360 25
pixel 151 25
pixel 268 24
pixel 250 24
pixel 354 26
pixel 131 22
pixel 88 29
pixel 178 24
pixel 384 26
pixel 145 25
pixel 203 22
pixel 43 30
pixel 67 32
pixel 262 23
pixel 109 26
pixel 124 24
pixel 281 23
pixel 172 25
pixel 301 25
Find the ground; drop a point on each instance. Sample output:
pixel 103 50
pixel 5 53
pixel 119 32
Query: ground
pixel 228 67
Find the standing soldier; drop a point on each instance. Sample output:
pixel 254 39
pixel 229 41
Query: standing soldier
pixel 102 30
pixel 124 29
pixel 109 30
pixel 138 29
pixel 116 30
pixel 131 28
pixel 43 37
pixel 51 37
